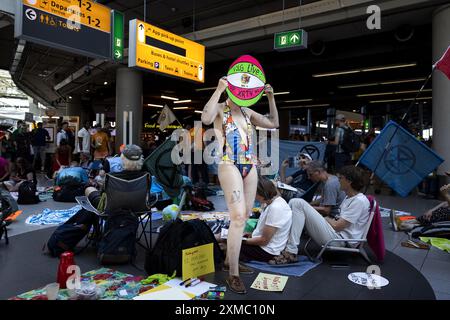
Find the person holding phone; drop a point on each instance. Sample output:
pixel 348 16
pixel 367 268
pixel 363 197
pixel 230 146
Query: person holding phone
pixel 299 179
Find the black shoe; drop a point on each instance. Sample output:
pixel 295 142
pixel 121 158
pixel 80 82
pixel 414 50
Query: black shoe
pixel 236 285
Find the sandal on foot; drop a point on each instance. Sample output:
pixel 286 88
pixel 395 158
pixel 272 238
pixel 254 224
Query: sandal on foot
pixel 236 285
pixel 284 258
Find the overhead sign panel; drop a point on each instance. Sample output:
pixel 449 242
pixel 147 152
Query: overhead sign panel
pixel 158 50
pixel 291 40
pixel 80 26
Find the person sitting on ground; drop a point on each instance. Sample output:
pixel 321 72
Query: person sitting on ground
pixel 85 160
pixel 4 169
pixel 21 171
pixel 299 179
pixel 132 161
pixel 272 230
pixel 63 155
pixel 440 213
pixel 349 224
pixel 72 174
pixel 331 193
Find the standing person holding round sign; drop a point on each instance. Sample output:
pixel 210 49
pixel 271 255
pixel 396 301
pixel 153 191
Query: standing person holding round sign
pixel 233 123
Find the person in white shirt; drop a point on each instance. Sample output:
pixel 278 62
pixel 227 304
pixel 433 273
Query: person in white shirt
pixel 349 223
pixel 271 233
pixel 84 139
pixel 62 134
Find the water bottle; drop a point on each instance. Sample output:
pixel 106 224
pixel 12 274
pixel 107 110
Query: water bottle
pixel 65 260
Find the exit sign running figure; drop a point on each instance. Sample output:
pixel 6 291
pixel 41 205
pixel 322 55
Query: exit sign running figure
pixel 291 40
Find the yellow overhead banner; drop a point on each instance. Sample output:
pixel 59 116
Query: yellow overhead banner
pixel 85 12
pixel 154 49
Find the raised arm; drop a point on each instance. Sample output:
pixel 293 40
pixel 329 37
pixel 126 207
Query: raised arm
pixel 270 122
pixel 211 108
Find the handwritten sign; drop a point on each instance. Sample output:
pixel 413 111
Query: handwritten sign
pixel 269 282
pixel 198 261
pixel 246 80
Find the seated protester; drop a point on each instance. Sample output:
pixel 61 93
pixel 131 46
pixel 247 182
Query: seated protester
pixel 349 224
pixel 4 169
pixel 72 174
pixel 331 195
pixel 21 171
pixel 272 230
pixel 299 179
pixel 132 161
pixel 439 213
pixel 85 160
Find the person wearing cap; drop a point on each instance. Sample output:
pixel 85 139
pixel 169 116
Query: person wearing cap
pixel 342 157
pixel 132 162
pixel 299 179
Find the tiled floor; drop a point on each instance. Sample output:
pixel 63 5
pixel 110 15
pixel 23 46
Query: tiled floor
pixel 434 264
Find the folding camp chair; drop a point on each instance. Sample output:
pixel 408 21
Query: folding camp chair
pixel 361 242
pixel 129 195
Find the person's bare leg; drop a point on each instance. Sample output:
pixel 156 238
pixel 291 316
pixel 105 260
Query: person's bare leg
pixel 232 186
pixel 250 183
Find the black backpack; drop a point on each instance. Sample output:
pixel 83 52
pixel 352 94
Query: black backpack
pixel 28 193
pixel 173 238
pixel 67 235
pixel 8 204
pixel 118 244
pixel 68 192
pixel 351 141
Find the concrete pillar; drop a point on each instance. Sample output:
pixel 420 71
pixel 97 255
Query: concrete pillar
pixel 308 121
pixel 331 114
pixel 441 89
pixel 285 123
pixel 129 104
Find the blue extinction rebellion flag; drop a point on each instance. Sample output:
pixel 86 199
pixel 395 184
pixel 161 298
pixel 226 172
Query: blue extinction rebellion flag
pixel 406 161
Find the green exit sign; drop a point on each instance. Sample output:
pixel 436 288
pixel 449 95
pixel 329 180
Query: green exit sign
pixel 117 35
pixel 291 40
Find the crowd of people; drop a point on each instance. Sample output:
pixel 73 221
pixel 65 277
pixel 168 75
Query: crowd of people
pixel 324 199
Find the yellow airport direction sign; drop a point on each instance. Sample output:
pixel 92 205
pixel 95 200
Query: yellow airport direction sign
pixel 78 26
pixel 157 50
pixel 86 12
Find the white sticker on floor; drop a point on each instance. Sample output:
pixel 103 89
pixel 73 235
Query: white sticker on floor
pixel 372 281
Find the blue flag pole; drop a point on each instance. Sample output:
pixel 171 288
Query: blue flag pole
pixel 396 129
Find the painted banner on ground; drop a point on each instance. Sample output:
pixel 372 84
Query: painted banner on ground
pixel 406 162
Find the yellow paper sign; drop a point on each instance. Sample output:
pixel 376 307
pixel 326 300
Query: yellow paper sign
pixel 198 261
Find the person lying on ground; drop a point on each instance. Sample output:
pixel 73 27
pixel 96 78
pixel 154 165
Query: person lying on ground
pixel 440 213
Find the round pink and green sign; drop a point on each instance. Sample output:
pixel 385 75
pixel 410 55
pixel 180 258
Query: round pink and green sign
pixel 246 81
